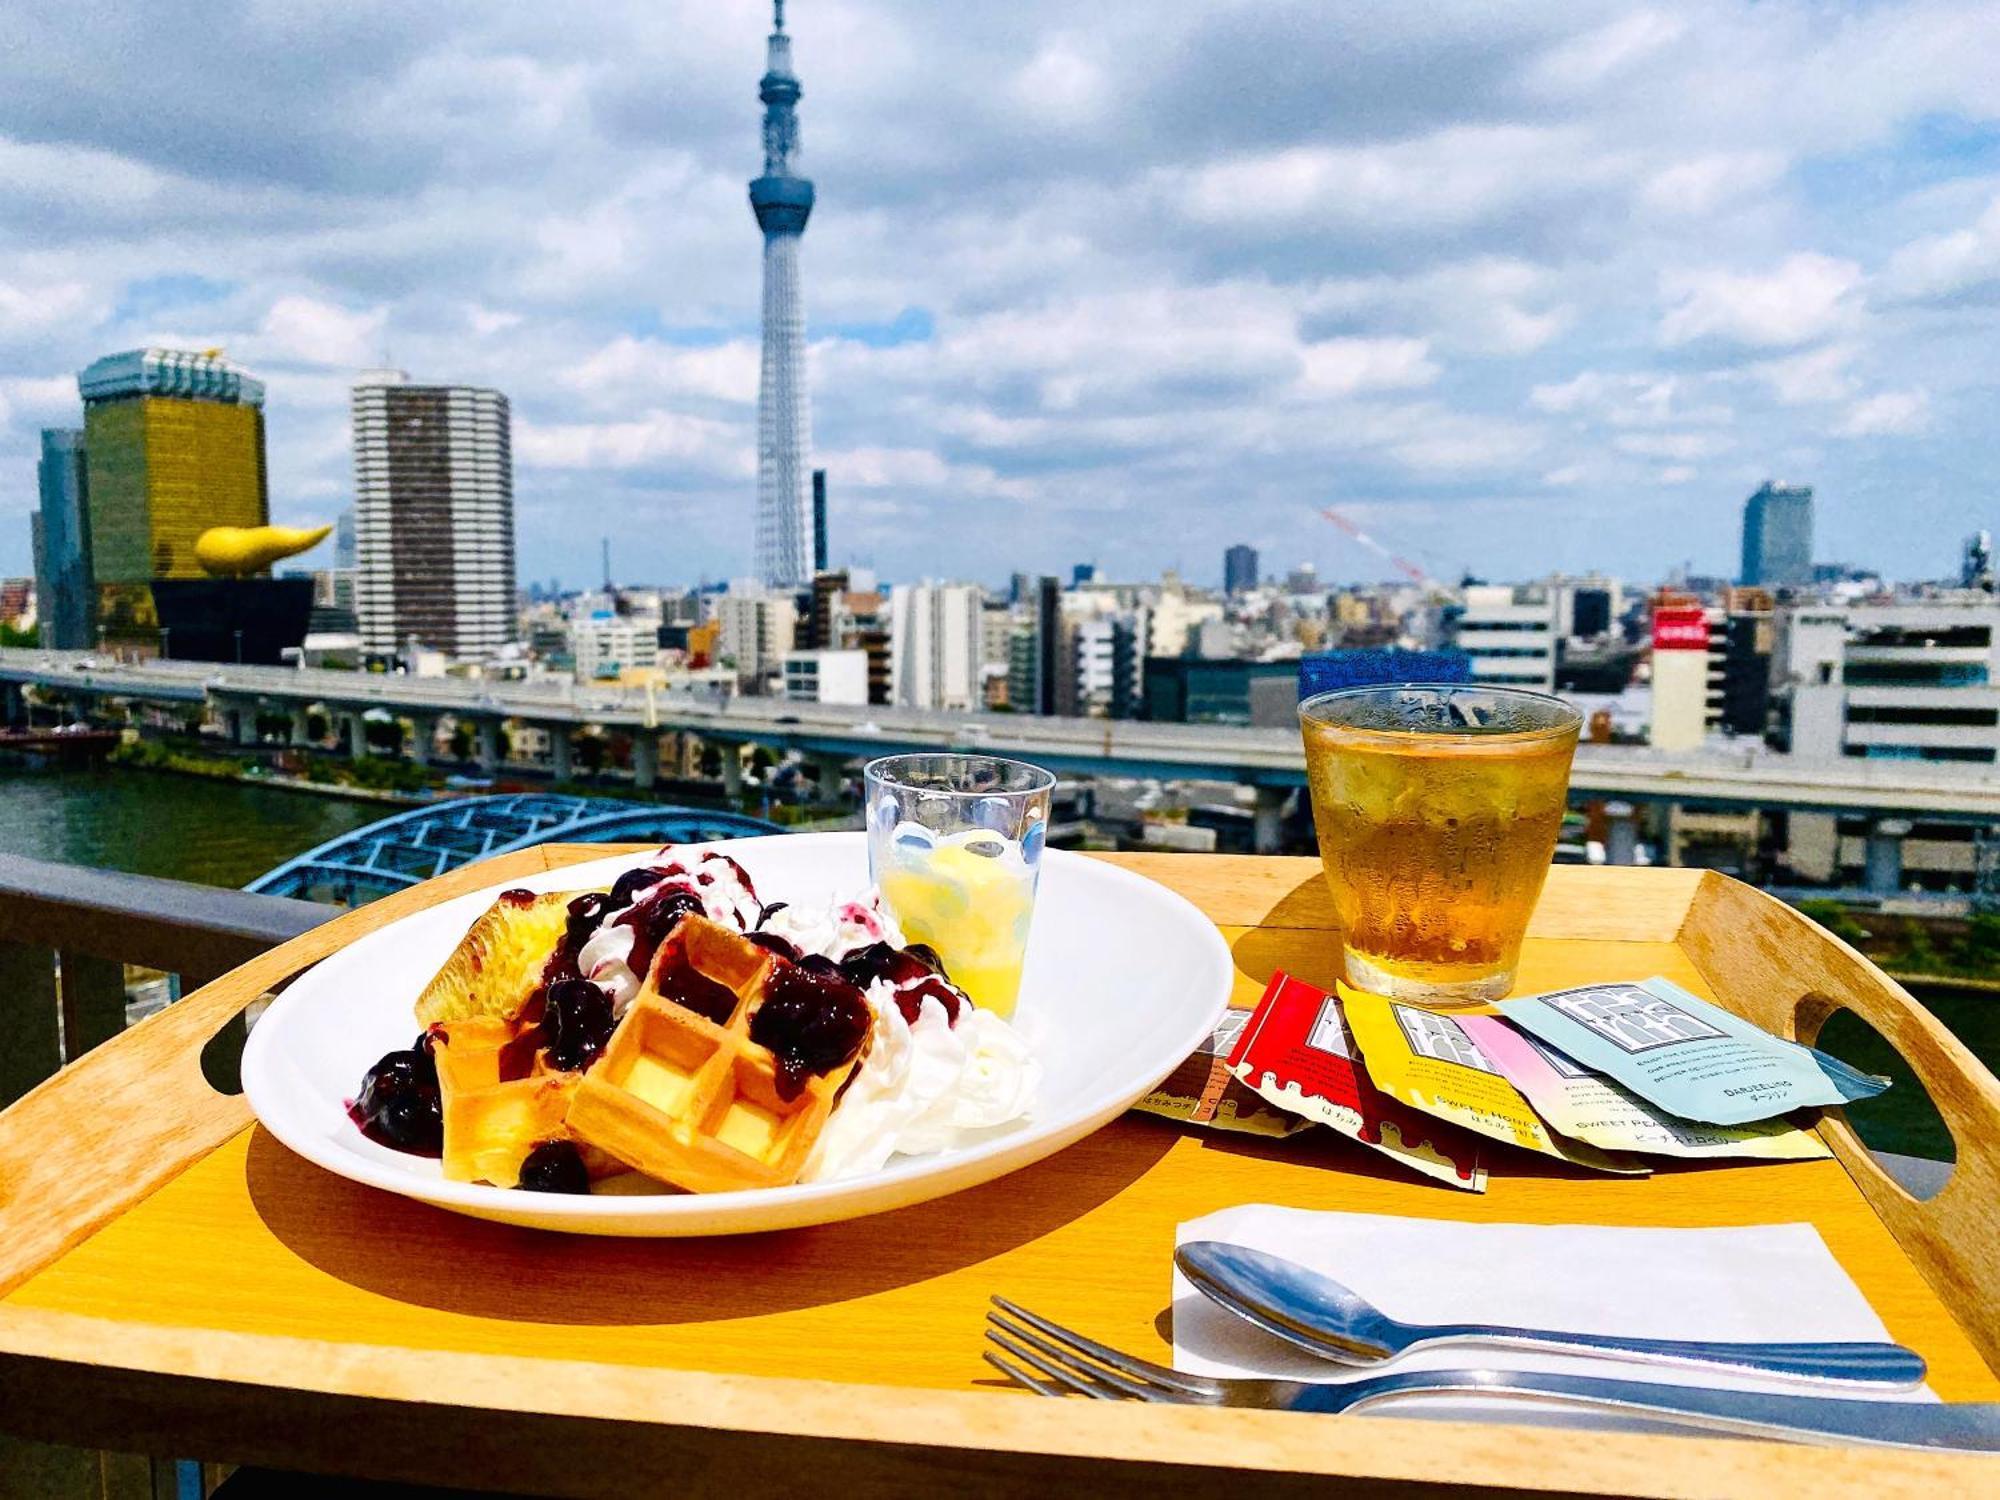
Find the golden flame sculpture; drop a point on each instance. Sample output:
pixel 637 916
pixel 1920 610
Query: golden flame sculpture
pixel 237 551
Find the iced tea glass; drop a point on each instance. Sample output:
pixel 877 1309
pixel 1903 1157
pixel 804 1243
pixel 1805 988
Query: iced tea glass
pixel 955 845
pixel 1437 809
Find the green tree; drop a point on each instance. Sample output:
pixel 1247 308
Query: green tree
pixel 1836 919
pixel 1919 954
pixel 1977 954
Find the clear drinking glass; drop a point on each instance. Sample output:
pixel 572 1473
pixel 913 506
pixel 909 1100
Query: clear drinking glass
pixel 955 844
pixel 1437 809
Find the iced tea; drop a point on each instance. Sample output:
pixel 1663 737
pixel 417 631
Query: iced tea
pixel 1437 810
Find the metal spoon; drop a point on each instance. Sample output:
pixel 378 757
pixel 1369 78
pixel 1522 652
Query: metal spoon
pixel 1318 1314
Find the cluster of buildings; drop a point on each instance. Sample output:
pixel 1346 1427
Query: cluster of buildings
pixel 172 446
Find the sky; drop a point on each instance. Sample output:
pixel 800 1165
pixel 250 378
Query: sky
pixel 1516 287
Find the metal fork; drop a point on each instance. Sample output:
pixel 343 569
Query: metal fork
pixel 1065 1362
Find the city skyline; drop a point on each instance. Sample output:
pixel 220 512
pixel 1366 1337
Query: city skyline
pixel 1549 289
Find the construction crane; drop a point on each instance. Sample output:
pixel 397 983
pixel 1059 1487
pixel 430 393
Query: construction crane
pixel 1402 565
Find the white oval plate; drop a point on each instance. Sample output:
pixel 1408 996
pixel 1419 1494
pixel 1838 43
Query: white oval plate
pixel 1124 979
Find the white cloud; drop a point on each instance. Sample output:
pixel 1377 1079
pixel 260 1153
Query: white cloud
pixel 28 309
pixel 1682 445
pixel 632 369
pixel 1943 264
pixel 1342 367
pixel 1803 379
pixel 1060 85
pixel 1629 400
pixel 1456 176
pixel 1587 61
pixel 1887 413
pixel 714 448
pixel 308 331
pixel 1676 474
pixel 1804 298
pixel 1701 185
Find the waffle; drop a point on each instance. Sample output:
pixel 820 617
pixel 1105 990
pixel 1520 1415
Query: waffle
pixel 489 1132
pixel 693 1102
pixel 501 1100
pixel 498 963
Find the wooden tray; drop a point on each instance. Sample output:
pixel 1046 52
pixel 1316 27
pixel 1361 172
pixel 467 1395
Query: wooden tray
pixel 174 1281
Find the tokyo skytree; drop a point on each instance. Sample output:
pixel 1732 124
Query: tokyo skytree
pixel 782 200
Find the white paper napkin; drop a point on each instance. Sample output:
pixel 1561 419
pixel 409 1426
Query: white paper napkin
pixel 1764 1282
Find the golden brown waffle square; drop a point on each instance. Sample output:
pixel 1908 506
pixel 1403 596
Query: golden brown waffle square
pixel 501 1099
pixel 488 1132
pixel 479 1052
pixel 693 1101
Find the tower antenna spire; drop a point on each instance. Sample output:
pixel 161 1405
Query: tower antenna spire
pixel 782 201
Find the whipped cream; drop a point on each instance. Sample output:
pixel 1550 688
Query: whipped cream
pixel 606 961
pixel 715 880
pixel 841 929
pixel 925 1087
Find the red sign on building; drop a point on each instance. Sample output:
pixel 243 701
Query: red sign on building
pixel 1680 628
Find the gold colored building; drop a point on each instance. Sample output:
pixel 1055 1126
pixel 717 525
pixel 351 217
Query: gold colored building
pixel 174 445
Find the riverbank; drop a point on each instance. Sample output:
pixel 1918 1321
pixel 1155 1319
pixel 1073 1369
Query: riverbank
pixel 208 765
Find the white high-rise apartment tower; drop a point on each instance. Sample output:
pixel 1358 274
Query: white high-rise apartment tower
pixel 433 516
pixel 936 632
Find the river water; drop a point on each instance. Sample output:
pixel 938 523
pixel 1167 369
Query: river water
pixel 158 823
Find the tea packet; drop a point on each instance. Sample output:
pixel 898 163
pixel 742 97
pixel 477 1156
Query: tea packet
pixel 1688 1057
pixel 1588 1108
pixel 1202 1090
pixel 1430 1062
pixel 1298 1053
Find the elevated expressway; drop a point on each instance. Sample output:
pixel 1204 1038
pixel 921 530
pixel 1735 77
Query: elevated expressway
pixel 1265 758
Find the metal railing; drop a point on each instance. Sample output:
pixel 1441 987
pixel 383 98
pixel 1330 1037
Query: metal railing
pixel 68 931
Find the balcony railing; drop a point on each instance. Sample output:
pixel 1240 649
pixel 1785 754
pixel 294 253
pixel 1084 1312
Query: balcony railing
pixel 67 933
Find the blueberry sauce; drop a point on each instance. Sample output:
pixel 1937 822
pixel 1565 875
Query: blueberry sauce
pixel 910 999
pixel 576 1023
pixel 813 1019
pixel 399 1105
pixel 770 941
pixel 625 890
pixel 684 984
pixel 555 1167
pixel 912 973
pixel 651 920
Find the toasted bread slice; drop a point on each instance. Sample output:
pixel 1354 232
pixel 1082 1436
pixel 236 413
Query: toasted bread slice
pixel 497 965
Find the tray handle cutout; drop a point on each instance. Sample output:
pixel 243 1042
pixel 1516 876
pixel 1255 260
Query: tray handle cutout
pixel 1778 968
pixel 128 1116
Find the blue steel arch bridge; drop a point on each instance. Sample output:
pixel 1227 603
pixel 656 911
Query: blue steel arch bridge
pixel 409 847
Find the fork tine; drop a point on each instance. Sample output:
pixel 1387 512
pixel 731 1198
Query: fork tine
pixel 1076 1380
pixel 1141 1369
pixel 1019 1376
pixel 1069 1359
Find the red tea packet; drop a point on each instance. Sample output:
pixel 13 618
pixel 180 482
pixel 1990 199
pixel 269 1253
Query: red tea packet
pixel 1298 1053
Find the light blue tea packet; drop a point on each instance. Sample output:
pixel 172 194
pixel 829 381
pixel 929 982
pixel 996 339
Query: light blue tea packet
pixel 1688 1057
